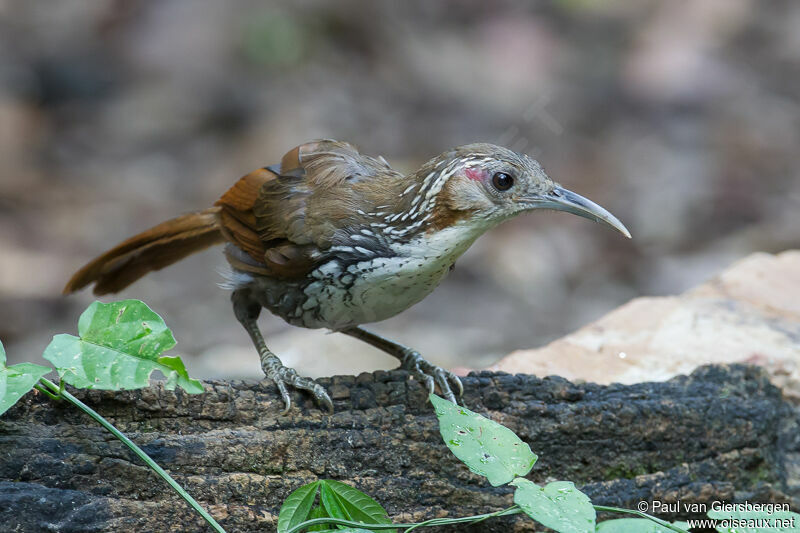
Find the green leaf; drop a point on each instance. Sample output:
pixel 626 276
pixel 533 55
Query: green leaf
pixel 17 380
pixel 347 530
pixel 119 346
pixel 635 525
pixel 344 501
pixel 318 512
pixel 756 521
pixel 486 447
pixel 297 507
pixel 179 376
pixel 558 505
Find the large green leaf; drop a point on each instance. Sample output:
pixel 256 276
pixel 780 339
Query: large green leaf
pixel 337 501
pixel 119 346
pixel 347 530
pixel 756 521
pixel 558 505
pixel 297 507
pixel 318 512
pixel 344 501
pixel 635 525
pixel 17 380
pixel 486 447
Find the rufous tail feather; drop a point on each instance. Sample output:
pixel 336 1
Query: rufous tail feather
pixel 153 249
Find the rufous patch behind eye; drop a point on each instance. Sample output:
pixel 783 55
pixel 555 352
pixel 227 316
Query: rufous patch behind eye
pixel 476 173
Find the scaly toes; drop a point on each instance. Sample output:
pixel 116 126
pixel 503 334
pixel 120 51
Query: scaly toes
pixel 442 379
pixel 432 375
pixel 456 381
pixel 283 375
pixel 317 391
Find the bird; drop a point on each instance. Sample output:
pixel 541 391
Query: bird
pixel 333 238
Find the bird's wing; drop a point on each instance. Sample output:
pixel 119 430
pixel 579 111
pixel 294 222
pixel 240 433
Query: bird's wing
pixel 285 216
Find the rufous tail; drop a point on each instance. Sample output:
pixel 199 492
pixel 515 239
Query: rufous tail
pixel 153 249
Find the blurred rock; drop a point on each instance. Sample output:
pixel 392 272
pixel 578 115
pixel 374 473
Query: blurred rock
pixel 750 313
pixel 114 116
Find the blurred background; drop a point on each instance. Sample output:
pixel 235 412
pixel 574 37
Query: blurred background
pixel 682 118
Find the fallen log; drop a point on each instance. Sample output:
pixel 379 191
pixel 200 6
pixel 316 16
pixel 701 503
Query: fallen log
pixel 721 433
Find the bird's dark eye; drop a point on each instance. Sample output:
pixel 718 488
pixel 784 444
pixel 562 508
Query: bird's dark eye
pixel 502 181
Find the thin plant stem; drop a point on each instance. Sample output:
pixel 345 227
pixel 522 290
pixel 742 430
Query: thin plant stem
pixel 343 522
pixel 135 449
pixel 43 390
pixel 658 521
pixel 468 519
pixel 408 527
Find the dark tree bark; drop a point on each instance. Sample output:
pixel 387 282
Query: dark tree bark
pixel 722 433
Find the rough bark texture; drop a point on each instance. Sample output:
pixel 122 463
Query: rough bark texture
pixel 722 433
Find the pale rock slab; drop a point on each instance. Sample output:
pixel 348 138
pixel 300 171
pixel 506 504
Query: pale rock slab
pixel 748 313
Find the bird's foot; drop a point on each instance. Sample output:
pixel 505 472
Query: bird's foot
pixel 432 375
pixel 283 375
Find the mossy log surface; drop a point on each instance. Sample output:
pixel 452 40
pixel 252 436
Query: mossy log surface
pixel 722 433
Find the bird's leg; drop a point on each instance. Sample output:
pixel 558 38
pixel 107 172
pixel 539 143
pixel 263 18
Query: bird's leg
pixel 411 360
pixel 247 309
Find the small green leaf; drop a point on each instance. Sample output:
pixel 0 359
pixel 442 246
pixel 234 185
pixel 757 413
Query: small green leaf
pixel 179 376
pixel 119 347
pixel 486 447
pixel 558 505
pixel 634 525
pixel 756 521
pixel 297 507
pixel 17 380
pixel 344 501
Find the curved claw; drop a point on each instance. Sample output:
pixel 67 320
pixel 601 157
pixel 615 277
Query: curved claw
pixel 427 381
pixel 432 375
pixel 327 403
pixel 457 380
pixel 441 377
pixel 447 377
pixel 282 375
pixel 316 390
pixel 287 400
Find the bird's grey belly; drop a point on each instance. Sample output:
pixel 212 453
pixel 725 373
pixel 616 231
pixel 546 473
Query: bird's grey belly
pixel 336 296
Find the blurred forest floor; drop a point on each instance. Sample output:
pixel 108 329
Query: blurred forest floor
pixel 682 118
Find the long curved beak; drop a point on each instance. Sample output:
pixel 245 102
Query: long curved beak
pixel 562 199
